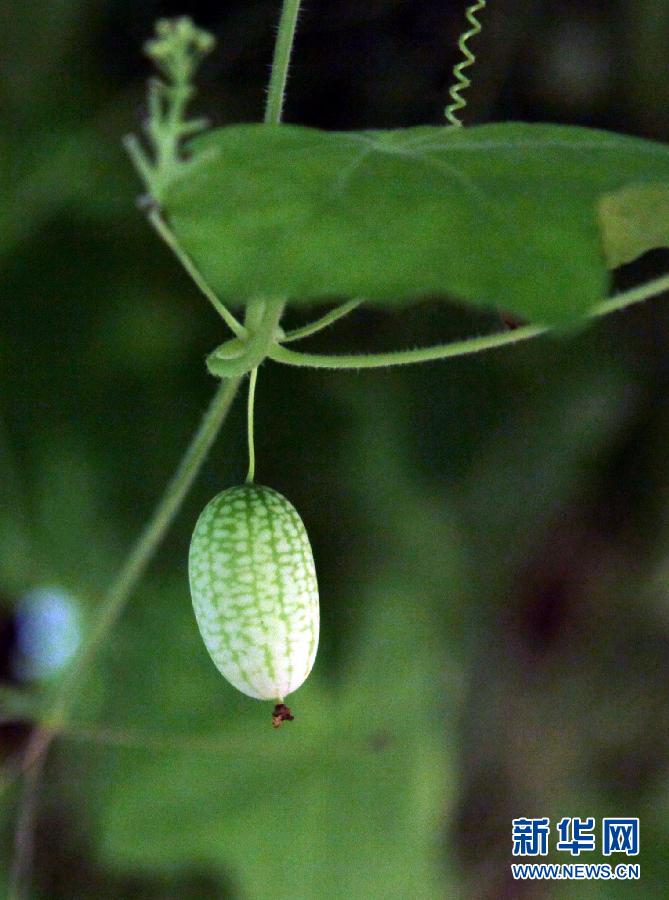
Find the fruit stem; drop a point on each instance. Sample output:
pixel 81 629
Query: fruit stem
pixel 253 378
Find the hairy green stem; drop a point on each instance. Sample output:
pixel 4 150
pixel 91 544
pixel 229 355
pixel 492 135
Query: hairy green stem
pixel 459 348
pixel 319 324
pixel 281 62
pixel 404 357
pixel 165 233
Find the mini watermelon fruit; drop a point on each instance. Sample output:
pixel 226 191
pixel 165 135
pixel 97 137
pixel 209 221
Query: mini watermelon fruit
pixel 254 590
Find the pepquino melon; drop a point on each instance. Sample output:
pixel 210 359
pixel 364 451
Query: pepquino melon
pixel 254 590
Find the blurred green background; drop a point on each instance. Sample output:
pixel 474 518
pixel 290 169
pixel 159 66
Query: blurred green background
pixel 491 534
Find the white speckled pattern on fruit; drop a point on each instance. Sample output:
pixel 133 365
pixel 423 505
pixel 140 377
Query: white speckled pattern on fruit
pixel 254 590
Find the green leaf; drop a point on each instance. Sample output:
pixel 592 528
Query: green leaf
pixel 348 797
pixel 493 215
pixel 633 220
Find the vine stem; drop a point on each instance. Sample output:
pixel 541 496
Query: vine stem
pixel 146 545
pixel 459 348
pixel 281 62
pixel 163 230
pixel 319 324
pixel 54 719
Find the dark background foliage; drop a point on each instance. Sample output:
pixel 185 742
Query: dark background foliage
pixel 491 534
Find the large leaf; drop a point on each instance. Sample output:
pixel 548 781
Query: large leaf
pixel 346 802
pixel 494 215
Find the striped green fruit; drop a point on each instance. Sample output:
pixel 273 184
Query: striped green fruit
pixel 254 590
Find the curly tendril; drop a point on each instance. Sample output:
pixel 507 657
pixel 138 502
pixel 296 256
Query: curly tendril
pixel 461 80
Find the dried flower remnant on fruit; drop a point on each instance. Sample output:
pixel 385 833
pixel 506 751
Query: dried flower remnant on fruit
pixel 281 714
